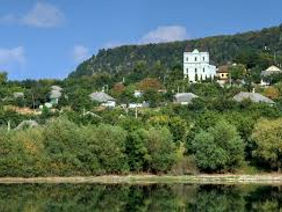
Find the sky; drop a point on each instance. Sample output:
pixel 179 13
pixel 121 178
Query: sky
pixel 49 38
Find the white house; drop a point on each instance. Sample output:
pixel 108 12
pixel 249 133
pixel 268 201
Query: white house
pixel 184 98
pixel 270 71
pixel 196 66
pixel 137 94
pixel 103 98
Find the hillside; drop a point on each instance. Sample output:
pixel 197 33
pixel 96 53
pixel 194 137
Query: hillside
pixel 223 49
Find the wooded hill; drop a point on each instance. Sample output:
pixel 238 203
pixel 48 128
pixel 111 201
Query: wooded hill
pixel 255 48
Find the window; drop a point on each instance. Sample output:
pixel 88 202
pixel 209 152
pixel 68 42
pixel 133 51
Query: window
pixel 195 58
pixel 187 58
pixel 204 70
pixel 204 58
pixel 222 75
pixel 196 70
pixel 187 70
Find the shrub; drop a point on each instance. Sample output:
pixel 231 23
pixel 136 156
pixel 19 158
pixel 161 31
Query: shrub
pixel 107 143
pixel 151 150
pixel 220 148
pixel 267 135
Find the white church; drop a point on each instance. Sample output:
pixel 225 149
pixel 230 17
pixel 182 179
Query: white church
pixel 196 66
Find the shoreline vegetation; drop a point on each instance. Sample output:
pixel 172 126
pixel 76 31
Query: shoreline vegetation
pixel 265 179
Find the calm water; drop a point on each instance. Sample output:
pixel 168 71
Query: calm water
pixel 178 197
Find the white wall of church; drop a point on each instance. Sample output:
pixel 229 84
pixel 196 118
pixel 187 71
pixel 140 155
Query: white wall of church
pixel 196 66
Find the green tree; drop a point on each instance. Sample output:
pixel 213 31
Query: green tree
pixel 220 148
pixel 267 135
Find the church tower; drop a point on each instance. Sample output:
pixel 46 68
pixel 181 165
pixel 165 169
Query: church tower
pixel 196 66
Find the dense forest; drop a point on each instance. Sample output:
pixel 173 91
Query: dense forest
pixel 260 48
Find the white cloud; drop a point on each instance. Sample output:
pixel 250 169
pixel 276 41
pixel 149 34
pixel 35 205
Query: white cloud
pixel 80 53
pixel 43 15
pixel 165 34
pixel 12 56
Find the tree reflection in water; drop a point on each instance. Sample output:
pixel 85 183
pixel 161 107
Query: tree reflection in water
pixel 157 197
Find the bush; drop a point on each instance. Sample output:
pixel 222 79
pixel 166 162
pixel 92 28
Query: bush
pixel 267 135
pixel 220 148
pixel 151 150
pixel 107 143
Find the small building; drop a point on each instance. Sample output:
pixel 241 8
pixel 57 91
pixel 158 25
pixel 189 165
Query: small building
pixel 196 66
pixel 18 95
pixel 252 96
pixel 55 94
pixel 137 94
pixel 138 105
pixel 184 98
pixel 222 74
pixel 270 71
pixel 103 98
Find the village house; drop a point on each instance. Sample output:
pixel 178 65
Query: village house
pixel 222 74
pixel 270 71
pixel 55 94
pixel 252 96
pixel 138 105
pixel 103 98
pixel 196 66
pixel 184 98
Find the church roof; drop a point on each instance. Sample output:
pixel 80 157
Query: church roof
pixel 196 51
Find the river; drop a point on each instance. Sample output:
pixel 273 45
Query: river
pixel 154 197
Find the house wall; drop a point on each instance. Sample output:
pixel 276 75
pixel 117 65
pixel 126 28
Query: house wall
pixel 223 76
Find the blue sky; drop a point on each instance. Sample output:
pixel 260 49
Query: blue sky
pixel 49 38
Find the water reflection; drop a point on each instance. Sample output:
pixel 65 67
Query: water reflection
pixel 180 197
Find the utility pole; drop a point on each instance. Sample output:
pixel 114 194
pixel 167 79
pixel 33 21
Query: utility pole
pixel 230 79
pixel 9 126
pixel 136 112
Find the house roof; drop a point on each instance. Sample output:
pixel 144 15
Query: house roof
pixel 271 70
pixel 18 94
pixel 54 94
pixel 101 97
pixel 254 97
pixel 223 69
pixel 56 87
pixel 29 123
pixel 184 97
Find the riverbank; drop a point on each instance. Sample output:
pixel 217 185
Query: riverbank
pixel 275 179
